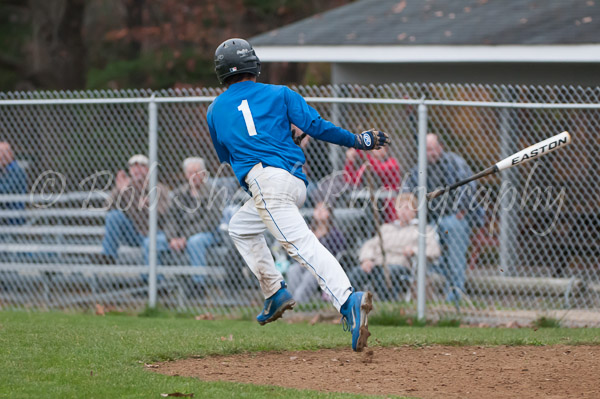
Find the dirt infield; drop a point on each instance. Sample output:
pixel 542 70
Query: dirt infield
pixel 424 372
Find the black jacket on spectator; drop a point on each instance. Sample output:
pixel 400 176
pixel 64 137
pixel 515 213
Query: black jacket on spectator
pixel 191 213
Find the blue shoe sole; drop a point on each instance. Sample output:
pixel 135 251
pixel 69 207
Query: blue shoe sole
pixel 366 305
pixel 289 304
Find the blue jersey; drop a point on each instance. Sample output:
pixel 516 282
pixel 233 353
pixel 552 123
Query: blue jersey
pixel 250 123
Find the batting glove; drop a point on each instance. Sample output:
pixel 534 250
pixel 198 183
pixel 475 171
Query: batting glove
pixel 371 140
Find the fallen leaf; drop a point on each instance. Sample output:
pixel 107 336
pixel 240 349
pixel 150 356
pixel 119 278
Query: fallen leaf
pixel 315 319
pixel 99 310
pixel 512 324
pixel 293 357
pixel 205 316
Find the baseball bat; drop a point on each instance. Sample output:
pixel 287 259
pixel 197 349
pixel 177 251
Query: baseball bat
pixel 532 152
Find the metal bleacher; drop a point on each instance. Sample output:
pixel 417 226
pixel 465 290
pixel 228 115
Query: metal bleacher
pixel 56 229
pixel 52 253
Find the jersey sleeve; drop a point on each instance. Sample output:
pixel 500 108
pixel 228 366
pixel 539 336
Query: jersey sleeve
pixel 221 150
pixel 309 121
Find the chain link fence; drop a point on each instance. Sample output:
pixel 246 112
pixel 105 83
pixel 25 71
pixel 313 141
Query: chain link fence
pixel 79 213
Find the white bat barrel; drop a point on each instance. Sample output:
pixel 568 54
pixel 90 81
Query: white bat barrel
pixel 535 151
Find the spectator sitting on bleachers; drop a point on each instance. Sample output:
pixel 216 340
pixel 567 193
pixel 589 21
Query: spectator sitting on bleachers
pixel 12 181
pixel 455 215
pixel 128 220
pixel 301 281
pixel 400 243
pixel 192 218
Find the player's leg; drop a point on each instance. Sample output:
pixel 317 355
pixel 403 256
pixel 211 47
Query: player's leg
pixel 246 229
pixel 277 195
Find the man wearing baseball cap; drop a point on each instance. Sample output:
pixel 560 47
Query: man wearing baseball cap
pixel 127 221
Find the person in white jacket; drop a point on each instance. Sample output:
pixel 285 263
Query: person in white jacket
pixel 400 244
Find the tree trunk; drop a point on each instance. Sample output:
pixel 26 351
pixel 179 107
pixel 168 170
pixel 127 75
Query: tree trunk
pixel 58 54
pixel 134 23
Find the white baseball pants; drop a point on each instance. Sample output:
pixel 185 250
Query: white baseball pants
pixel 276 196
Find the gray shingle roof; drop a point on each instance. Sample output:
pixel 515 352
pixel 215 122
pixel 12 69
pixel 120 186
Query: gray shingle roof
pixel 445 22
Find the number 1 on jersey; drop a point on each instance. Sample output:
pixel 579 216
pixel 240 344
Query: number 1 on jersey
pixel 245 108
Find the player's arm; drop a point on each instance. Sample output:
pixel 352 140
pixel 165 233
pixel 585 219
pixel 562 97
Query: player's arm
pixel 309 121
pixel 221 150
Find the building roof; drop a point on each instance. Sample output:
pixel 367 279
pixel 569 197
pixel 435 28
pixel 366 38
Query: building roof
pixel 441 31
pixel 445 22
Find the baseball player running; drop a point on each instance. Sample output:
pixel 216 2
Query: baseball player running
pixel 250 128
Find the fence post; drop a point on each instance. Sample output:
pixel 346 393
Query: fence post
pixel 422 166
pixel 509 144
pixel 152 152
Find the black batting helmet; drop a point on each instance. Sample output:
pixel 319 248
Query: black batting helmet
pixel 235 56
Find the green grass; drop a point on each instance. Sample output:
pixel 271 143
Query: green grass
pixel 546 322
pixel 396 315
pixel 391 317
pixel 56 355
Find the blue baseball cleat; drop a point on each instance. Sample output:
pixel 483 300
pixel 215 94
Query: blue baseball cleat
pixel 275 305
pixel 355 318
